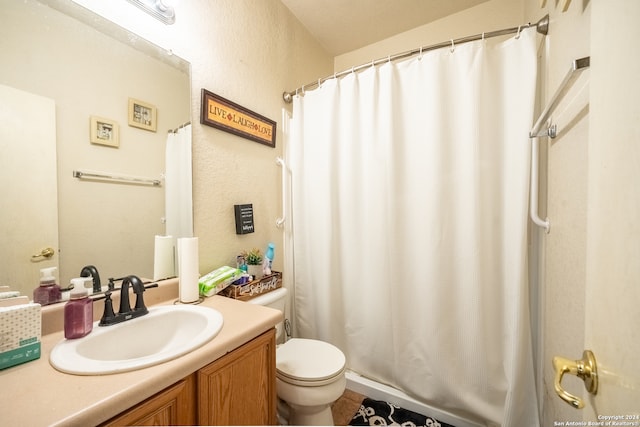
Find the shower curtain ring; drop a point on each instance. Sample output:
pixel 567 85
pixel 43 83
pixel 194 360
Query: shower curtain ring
pixel 519 28
pixel 319 83
pixel 453 46
pixel 420 57
pixel 483 36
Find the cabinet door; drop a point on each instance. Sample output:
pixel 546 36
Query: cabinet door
pixel 173 406
pixel 240 388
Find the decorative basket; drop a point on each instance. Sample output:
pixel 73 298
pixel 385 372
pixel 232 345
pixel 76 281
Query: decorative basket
pixel 254 288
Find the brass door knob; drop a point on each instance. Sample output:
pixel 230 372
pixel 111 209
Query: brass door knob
pixel 585 368
pixel 45 253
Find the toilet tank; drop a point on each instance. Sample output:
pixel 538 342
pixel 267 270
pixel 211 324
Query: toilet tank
pixel 275 299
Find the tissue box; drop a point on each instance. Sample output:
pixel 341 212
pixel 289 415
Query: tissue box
pixel 20 333
pixel 249 290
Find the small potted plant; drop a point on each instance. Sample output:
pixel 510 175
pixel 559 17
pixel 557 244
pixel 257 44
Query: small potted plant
pixel 253 259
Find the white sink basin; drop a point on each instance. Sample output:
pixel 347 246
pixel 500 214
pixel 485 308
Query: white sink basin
pixel 166 333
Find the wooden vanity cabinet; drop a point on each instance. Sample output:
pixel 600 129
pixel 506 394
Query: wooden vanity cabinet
pixel 237 389
pixel 173 406
pixel 240 388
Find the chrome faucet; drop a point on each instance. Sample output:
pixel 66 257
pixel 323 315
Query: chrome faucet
pixel 92 271
pixel 109 317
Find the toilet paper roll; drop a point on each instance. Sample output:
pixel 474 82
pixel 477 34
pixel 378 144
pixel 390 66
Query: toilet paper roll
pixel 164 264
pixel 188 269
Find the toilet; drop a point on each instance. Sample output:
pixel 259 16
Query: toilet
pixel 309 373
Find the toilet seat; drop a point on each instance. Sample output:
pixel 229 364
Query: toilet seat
pixel 308 362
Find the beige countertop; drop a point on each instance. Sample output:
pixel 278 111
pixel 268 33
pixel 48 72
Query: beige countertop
pixel 36 394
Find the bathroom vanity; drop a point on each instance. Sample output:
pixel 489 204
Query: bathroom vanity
pixel 237 389
pixel 228 381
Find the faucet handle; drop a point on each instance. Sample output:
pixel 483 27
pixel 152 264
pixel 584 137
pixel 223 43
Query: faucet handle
pixel 138 289
pixel 108 315
pixel 140 304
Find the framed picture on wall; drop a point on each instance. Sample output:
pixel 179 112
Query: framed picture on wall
pixel 142 115
pixel 228 116
pixel 104 132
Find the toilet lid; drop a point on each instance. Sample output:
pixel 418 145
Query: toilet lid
pixel 308 360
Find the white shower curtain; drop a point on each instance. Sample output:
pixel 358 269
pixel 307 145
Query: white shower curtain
pixel 178 179
pixel 409 202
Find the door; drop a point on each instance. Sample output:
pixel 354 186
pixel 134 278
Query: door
pixel 612 319
pixel 28 174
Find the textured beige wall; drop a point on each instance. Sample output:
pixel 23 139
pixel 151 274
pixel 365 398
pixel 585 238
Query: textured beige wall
pixel 253 52
pixel 265 51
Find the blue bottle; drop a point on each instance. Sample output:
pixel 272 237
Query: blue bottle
pixel 268 259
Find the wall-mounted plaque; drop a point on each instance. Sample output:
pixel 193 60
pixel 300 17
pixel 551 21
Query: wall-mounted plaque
pixel 228 116
pixel 244 218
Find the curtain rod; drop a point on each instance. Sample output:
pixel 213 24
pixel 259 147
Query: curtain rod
pixel 179 127
pixel 542 27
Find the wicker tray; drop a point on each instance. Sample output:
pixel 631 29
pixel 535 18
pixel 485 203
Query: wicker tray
pixel 252 289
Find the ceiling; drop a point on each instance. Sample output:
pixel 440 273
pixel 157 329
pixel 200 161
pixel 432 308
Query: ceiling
pixel 345 25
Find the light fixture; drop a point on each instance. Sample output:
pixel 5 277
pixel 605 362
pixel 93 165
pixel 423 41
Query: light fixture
pixel 157 9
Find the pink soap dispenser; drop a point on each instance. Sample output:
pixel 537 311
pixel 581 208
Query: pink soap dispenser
pixel 78 312
pixel 48 291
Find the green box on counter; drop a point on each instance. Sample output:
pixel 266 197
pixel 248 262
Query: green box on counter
pixel 20 333
pixel 254 288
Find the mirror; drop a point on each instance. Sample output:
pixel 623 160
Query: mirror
pixel 90 67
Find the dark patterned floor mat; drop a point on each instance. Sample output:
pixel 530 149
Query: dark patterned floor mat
pixel 378 413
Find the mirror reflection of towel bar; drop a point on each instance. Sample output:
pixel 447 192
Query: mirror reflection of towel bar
pixel 117 178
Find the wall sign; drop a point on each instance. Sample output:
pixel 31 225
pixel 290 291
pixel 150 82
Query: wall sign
pixel 244 218
pixel 228 116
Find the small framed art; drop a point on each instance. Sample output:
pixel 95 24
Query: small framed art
pixel 104 132
pixel 142 115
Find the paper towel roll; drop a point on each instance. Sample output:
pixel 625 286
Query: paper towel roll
pixel 164 264
pixel 188 269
